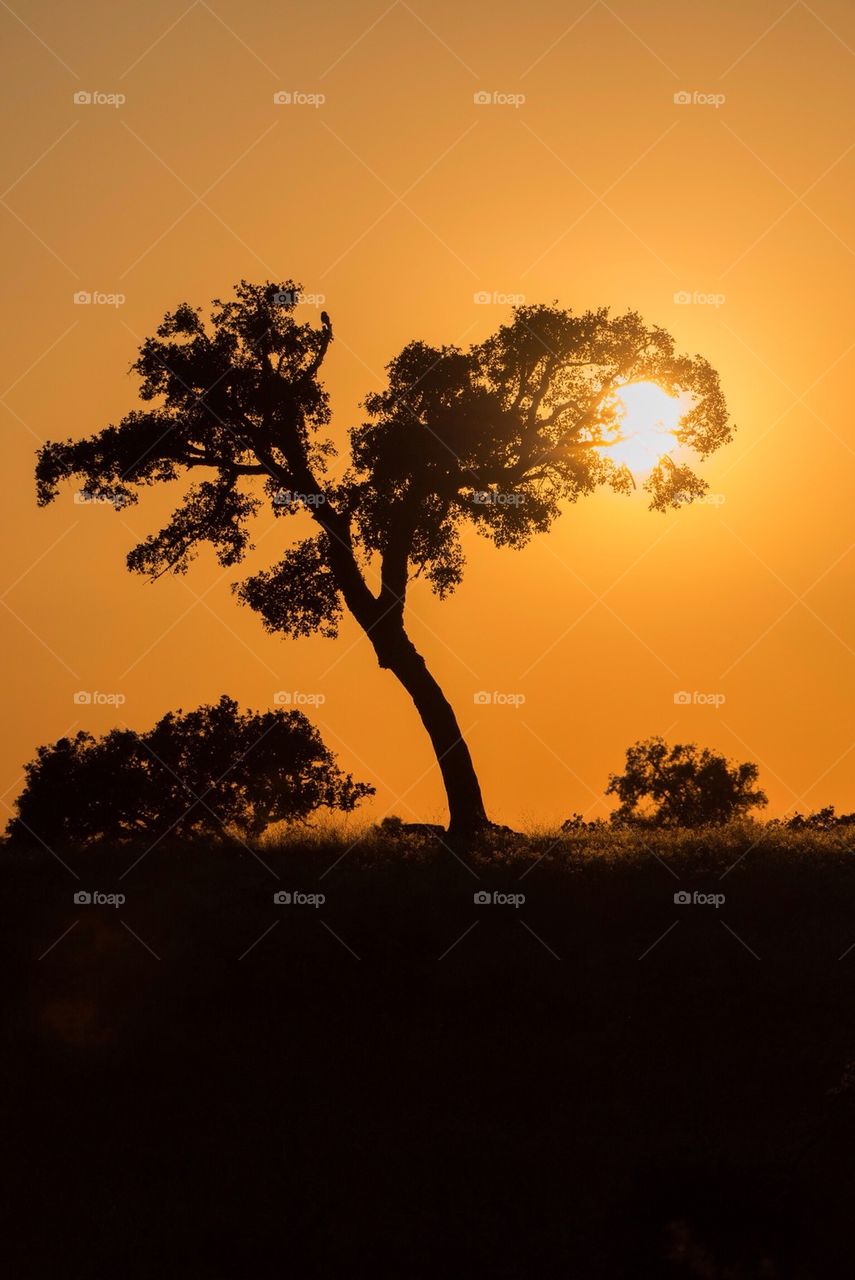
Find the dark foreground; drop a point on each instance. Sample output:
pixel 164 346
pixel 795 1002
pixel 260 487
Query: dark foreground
pixel 341 1101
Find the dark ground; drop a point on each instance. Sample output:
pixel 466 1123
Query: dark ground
pixel 497 1112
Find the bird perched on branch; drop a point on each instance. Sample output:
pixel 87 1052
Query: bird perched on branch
pixel 326 322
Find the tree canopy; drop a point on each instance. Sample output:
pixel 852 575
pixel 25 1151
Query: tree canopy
pixel 196 774
pixel 682 786
pixel 525 412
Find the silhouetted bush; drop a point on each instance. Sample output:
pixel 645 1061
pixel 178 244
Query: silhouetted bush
pixel 822 820
pixel 198 774
pixel 682 786
pixel 577 822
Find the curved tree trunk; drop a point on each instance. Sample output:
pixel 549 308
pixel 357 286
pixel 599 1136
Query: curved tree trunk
pixel 397 653
pixel 381 618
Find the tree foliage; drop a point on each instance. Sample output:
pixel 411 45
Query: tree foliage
pixel 497 436
pixel 195 774
pixel 682 786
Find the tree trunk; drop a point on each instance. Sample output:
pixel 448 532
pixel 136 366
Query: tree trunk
pixel 397 653
pixel 382 622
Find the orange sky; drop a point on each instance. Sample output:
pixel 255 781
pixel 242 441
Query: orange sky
pixel 398 199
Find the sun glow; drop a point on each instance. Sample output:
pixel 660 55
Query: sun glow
pixel 647 420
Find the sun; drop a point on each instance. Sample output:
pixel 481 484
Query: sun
pixel 647 420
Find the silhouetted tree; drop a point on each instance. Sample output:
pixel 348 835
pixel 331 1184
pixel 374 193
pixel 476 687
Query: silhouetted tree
pixel 499 436
pixel 682 786
pixel 191 775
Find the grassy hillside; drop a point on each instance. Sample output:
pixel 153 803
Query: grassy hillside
pixel 595 1081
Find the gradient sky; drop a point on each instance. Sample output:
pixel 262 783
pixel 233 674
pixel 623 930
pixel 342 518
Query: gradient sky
pixel 398 199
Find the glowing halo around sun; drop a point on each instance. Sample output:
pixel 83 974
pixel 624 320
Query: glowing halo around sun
pixel 647 420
